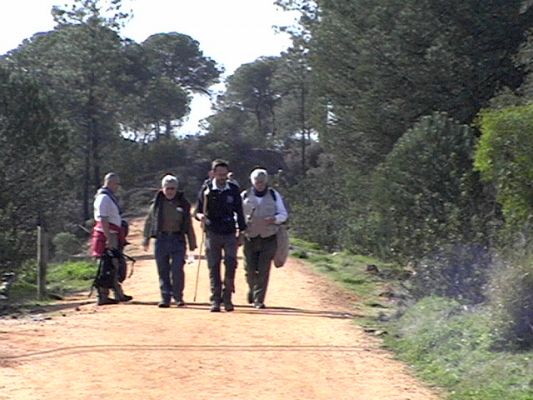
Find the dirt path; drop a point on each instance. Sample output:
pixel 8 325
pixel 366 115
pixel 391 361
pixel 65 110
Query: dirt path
pixel 303 346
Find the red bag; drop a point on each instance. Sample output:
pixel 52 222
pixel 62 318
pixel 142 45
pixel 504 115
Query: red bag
pixel 98 239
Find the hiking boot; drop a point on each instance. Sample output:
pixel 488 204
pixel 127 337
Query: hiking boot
pixel 228 306
pixel 215 307
pixel 106 301
pixel 126 298
pixel 259 305
pixel 163 304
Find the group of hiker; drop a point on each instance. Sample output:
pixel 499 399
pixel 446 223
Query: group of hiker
pixel 229 218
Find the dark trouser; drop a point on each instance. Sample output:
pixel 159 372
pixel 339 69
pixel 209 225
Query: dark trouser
pixel 258 255
pixel 170 259
pixel 214 245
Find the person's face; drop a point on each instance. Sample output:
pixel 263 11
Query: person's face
pixel 170 191
pixel 260 184
pixel 220 174
pixel 113 185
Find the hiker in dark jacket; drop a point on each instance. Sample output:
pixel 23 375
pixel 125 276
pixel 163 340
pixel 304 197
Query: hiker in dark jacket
pixel 169 222
pixel 219 209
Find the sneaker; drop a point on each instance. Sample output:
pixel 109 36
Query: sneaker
pixel 106 301
pixel 229 307
pixel 163 304
pixel 126 298
pixel 259 305
pixel 180 303
pixel 215 307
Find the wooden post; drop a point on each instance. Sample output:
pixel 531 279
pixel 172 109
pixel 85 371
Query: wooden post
pixel 42 261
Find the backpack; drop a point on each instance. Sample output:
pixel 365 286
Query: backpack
pixel 105 276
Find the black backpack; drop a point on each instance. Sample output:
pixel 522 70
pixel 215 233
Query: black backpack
pixel 105 276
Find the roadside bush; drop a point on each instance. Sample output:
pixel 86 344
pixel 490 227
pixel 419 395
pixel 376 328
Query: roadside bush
pixel 66 244
pixel 456 271
pixel 25 283
pixel 427 192
pixel 70 276
pixel 503 157
pixel 511 304
pixel 319 207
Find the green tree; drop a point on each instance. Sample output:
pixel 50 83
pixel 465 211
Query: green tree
pixel 180 69
pixel 250 90
pixel 428 193
pixel 503 157
pixel 178 57
pixel 296 109
pixel 80 63
pixel 382 65
pixel 31 158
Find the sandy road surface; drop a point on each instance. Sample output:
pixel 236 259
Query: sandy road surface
pixel 303 346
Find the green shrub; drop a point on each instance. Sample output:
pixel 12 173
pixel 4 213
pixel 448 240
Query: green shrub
pixel 511 304
pixel 503 157
pixel 451 345
pixel 328 208
pixel 427 193
pixel 455 271
pixel 80 270
pixel 66 244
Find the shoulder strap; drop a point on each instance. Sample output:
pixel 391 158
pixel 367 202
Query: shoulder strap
pixel 109 194
pixel 249 190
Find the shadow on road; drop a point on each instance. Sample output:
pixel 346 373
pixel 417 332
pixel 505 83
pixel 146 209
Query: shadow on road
pixel 249 309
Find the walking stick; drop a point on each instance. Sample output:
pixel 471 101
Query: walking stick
pixel 204 209
pixel 198 267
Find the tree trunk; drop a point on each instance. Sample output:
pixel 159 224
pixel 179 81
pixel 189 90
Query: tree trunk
pixel 86 184
pixel 303 130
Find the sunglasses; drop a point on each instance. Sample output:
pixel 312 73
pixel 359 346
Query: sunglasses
pixel 170 188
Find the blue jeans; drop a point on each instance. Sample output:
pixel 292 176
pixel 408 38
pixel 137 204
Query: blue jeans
pixel 215 244
pixel 170 259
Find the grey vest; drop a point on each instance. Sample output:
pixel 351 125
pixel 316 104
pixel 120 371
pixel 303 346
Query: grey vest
pixel 255 214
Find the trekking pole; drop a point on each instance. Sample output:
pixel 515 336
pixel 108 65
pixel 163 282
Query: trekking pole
pixel 204 211
pixel 198 267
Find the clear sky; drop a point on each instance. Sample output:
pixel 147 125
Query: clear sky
pixel 231 32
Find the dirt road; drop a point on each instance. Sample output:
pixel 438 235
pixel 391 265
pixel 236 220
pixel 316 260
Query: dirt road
pixel 303 346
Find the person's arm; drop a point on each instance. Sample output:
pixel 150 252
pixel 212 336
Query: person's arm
pixel 148 227
pixel 199 209
pixel 191 236
pixel 241 222
pixel 103 215
pixel 281 211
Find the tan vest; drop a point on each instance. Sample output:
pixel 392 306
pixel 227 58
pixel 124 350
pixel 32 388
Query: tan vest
pixel 256 213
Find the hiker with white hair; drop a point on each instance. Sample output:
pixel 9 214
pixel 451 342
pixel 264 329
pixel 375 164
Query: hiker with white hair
pixel 109 232
pixel 169 223
pixel 265 211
